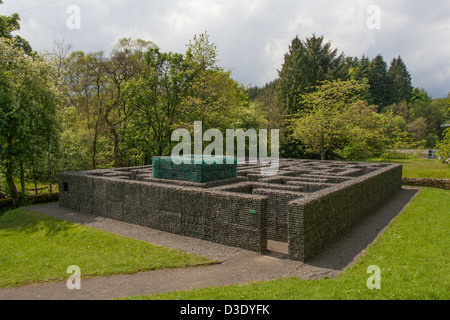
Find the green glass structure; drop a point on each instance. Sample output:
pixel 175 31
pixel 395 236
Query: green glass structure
pixel 199 169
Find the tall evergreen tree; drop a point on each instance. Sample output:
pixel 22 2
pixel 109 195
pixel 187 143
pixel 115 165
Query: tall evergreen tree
pixel 306 65
pixel 400 78
pixel 379 81
pixel 359 71
pixel 362 69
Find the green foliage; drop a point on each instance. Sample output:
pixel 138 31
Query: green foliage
pixel 419 96
pixel 444 146
pixel 9 25
pixel 92 110
pixel 213 96
pixel 431 115
pixel 380 84
pixel 306 65
pixel 365 132
pixel 332 114
pixel 28 123
pixel 156 97
pixel 202 53
pixel 359 68
pixel 397 135
pixel 175 90
pixel 400 79
pixel 267 101
pixel 216 100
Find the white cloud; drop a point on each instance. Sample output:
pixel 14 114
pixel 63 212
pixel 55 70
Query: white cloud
pixel 252 36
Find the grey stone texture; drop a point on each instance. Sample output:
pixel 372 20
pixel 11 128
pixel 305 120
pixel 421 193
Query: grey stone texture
pixel 307 204
pixel 430 183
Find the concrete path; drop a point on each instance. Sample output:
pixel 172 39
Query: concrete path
pixel 236 266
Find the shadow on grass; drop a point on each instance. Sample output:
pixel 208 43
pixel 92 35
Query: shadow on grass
pixel 27 222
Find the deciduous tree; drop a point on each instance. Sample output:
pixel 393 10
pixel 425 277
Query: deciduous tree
pixel 323 125
pixel 28 100
pixel 9 25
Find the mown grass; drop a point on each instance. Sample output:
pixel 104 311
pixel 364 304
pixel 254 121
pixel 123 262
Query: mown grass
pixel 431 169
pixel 43 187
pixel 35 248
pixel 413 255
pixel 420 168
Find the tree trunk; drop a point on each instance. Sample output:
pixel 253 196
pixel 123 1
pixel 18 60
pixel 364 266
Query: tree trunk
pixel 35 180
pixel 10 175
pixel 94 152
pixel 11 184
pixel 322 150
pixel 50 169
pixel 22 181
pixel 117 158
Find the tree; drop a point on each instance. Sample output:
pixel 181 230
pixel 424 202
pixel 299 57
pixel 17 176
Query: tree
pixel 419 128
pixel 364 127
pixel 215 99
pixel 28 99
pixel 432 114
pixel 379 81
pixel 400 79
pixel 396 134
pixel 359 68
pixel 323 124
pixel 202 53
pixel 157 96
pixel 401 109
pixel 419 95
pixel 8 25
pixel 444 146
pixel 306 65
pixel 82 119
pixel 267 100
pixel 126 63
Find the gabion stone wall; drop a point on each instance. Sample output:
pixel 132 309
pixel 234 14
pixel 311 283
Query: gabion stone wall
pixel 318 219
pixel 307 204
pixel 430 183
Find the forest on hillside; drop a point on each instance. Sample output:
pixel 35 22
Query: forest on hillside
pixel 360 107
pixel 68 110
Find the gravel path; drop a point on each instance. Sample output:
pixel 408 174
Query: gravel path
pixel 237 266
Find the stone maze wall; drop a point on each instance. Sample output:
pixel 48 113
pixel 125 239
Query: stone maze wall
pixel 307 204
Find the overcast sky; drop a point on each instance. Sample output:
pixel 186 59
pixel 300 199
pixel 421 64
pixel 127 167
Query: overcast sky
pixel 252 36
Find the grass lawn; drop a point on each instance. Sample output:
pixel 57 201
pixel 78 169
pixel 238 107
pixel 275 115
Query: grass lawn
pixel 420 168
pixel 43 188
pixel 413 255
pixel 432 169
pixel 35 248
